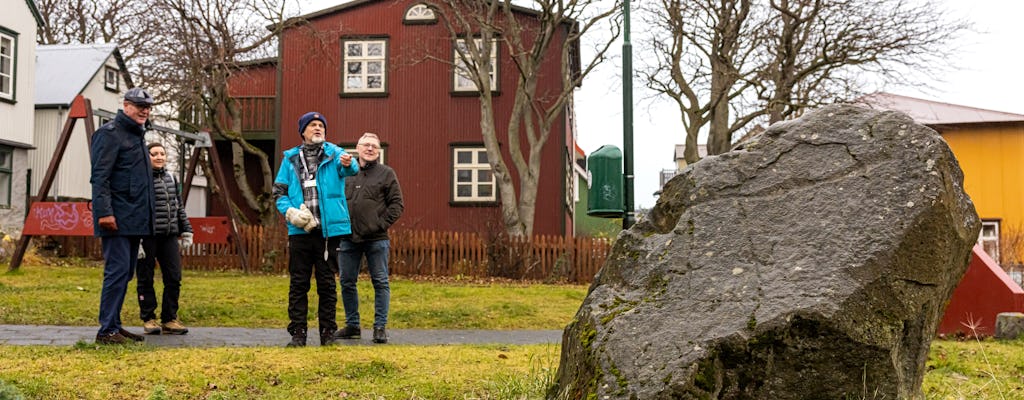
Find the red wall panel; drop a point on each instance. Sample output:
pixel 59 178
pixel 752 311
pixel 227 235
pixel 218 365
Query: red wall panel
pixel 983 293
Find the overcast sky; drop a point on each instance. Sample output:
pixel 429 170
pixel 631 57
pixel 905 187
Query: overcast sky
pixel 989 74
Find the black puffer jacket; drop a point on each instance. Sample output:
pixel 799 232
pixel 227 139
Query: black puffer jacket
pixel 374 201
pixel 170 213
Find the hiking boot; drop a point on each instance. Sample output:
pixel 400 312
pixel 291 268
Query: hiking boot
pixel 131 336
pixel 350 332
pixel 298 338
pixel 174 327
pixel 151 327
pixel 113 338
pixel 327 337
pixel 379 335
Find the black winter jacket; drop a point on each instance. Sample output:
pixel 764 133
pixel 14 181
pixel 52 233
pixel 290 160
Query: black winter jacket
pixel 170 212
pixel 121 181
pixel 374 201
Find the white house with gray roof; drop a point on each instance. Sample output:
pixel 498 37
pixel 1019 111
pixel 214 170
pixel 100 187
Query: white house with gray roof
pixel 95 71
pixel 19 21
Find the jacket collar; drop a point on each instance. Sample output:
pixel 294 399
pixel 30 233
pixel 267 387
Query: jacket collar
pixel 129 124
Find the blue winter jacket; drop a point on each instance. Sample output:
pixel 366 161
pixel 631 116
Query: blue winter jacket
pixel 330 182
pixel 122 181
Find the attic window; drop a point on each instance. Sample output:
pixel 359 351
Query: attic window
pixel 110 81
pixel 419 14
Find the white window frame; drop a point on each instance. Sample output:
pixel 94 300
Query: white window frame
pixel 420 12
pixel 110 80
pixel 475 165
pixel 990 234
pixel 461 80
pixel 364 60
pixel 10 58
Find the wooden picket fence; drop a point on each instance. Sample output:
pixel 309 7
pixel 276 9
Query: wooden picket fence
pixel 430 253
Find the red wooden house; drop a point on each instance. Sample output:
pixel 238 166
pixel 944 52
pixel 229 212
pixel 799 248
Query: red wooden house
pixel 386 66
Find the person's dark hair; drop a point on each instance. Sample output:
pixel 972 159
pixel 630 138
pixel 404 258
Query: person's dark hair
pixel 151 145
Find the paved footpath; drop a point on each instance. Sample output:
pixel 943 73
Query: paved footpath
pixel 25 335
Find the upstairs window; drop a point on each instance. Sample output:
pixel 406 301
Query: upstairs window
pixel 8 48
pixel 419 14
pixel 110 81
pixel 989 238
pixel 462 80
pixel 364 66
pixel 472 177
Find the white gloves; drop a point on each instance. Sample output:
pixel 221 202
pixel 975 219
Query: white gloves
pixel 301 217
pixel 142 252
pixel 185 241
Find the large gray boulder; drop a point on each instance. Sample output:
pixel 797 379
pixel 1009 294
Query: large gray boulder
pixel 813 263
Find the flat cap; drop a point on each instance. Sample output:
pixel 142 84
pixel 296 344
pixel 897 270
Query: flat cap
pixel 139 96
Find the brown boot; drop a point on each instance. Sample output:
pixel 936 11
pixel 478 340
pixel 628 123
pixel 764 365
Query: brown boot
pixel 114 338
pixel 174 327
pixel 151 327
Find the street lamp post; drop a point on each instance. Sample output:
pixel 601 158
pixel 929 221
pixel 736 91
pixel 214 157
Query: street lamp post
pixel 627 121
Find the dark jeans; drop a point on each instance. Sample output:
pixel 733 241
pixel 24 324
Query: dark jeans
pixel 305 259
pixel 162 248
pixel 120 255
pixel 351 256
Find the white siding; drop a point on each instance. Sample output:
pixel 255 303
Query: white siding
pixel 16 119
pixel 72 180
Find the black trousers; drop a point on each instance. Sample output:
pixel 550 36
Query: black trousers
pixel 163 249
pixel 305 259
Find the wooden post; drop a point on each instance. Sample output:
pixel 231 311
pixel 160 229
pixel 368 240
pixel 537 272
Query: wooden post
pixel 81 107
pixel 219 173
pixel 189 174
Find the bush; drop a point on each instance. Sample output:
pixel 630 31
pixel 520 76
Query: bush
pixel 10 392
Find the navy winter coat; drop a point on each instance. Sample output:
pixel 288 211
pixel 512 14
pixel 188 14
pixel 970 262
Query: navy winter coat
pixel 122 180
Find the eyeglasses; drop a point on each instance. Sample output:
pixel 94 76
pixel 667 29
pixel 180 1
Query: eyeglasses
pixel 142 106
pixel 369 145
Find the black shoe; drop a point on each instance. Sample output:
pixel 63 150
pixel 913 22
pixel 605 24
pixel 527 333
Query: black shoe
pixel 379 335
pixel 297 341
pixel 327 337
pixel 350 332
pixel 131 336
pixel 113 338
pixel 298 338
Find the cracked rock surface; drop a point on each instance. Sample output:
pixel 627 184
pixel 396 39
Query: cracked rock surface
pixel 813 262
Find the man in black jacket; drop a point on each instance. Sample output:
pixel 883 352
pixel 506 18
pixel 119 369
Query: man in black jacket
pixel 375 203
pixel 122 206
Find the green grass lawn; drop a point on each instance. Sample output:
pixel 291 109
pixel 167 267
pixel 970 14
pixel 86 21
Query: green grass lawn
pixel 70 296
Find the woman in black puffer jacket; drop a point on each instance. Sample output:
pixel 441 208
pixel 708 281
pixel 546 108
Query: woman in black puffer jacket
pixel 169 227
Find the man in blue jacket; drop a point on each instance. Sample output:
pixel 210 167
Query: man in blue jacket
pixel 310 192
pixel 122 206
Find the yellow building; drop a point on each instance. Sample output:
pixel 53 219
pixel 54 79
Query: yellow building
pixel 990 148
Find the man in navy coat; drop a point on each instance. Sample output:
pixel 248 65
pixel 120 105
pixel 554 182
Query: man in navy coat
pixel 122 206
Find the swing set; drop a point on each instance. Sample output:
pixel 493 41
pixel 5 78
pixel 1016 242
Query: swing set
pixel 75 218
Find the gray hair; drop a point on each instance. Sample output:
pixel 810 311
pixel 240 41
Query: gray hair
pixel 369 135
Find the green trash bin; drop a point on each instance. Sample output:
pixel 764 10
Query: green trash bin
pixel 605 197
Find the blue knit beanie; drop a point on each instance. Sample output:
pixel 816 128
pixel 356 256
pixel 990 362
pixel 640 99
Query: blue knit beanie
pixel 309 117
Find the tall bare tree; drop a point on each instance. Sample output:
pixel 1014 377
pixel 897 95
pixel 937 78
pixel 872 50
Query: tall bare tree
pixel 533 36
pixel 125 22
pixel 730 63
pixel 202 43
